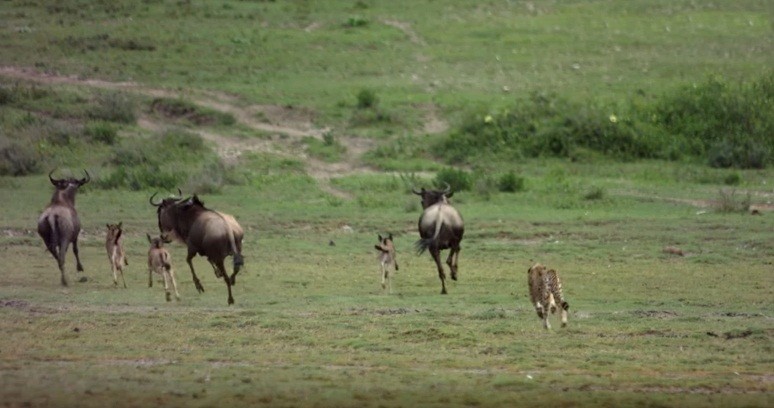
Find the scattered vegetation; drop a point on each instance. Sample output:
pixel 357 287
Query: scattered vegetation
pixel 728 124
pixel 510 182
pixel 457 179
pixel 328 149
pixel 164 161
pixel 190 112
pixel 729 202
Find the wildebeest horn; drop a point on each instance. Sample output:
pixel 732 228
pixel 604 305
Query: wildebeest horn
pixel 414 190
pixel 447 190
pixel 151 200
pixel 179 192
pixel 53 180
pixel 85 179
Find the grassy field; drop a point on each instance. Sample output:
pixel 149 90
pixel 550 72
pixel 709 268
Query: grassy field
pixel 255 104
pixel 311 326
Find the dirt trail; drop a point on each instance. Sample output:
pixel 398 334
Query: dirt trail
pixel 286 125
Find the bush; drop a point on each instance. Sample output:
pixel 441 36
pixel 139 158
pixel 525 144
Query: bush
pixel 458 180
pixel 101 132
pixel 730 124
pixel 546 125
pixel 510 183
pixel 728 203
pixel 140 178
pixel 180 139
pixel 366 99
pixel 594 193
pixel 189 111
pixel 17 159
pixel 113 107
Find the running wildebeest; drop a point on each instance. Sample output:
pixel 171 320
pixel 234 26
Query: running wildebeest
pixel 59 225
pixel 115 251
pixel 206 232
pixel 159 262
pixel 440 227
pixel 387 259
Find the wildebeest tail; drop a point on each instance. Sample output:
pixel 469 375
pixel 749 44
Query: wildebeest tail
pixel 238 260
pixel 421 245
pixel 424 243
pixel 52 238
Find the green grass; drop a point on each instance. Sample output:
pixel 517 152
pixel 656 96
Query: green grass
pixel 311 326
pixel 452 54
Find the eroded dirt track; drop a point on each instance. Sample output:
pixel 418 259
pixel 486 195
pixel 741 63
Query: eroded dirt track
pixel 285 126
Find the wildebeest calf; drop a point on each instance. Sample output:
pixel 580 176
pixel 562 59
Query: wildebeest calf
pixel 387 259
pixel 545 292
pixel 159 262
pixel 115 251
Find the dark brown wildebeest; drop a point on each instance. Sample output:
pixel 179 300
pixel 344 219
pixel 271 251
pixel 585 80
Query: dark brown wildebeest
pixel 115 251
pixel 387 259
pixel 440 227
pixel 159 262
pixel 59 225
pixel 206 232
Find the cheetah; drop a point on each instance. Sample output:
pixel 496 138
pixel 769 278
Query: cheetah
pixel 545 292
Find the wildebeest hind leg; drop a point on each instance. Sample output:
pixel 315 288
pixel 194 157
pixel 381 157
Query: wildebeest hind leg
pixel 451 260
pixel 77 257
pixel 188 259
pixel 122 276
pixel 237 265
pixel 61 261
pixel 219 266
pixel 436 253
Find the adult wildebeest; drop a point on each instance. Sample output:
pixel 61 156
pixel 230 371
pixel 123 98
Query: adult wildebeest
pixel 440 227
pixel 387 259
pixel 159 262
pixel 59 225
pixel 115 251
pixel 206 232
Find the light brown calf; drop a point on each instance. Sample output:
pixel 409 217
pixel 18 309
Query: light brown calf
pixel 387 260
pixel 159 262
pixel 545 292
pixel 115 251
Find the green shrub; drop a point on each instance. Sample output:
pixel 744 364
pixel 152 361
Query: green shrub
pixel 181 139
pixel 546 125
pixel 140 178
pixel 594 193
pixel 729 123
pixel 728 203
pixel 355 21
pixel 329 151
pixel 19 159
pixel 510 183
pixel 367 99
pixel 190 112
pixel 101 132
pixel 732 179
pixel 457 179
pixel 113 107
pixel 136 153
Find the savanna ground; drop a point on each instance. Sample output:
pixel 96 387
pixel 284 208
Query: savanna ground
pixel 263 93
